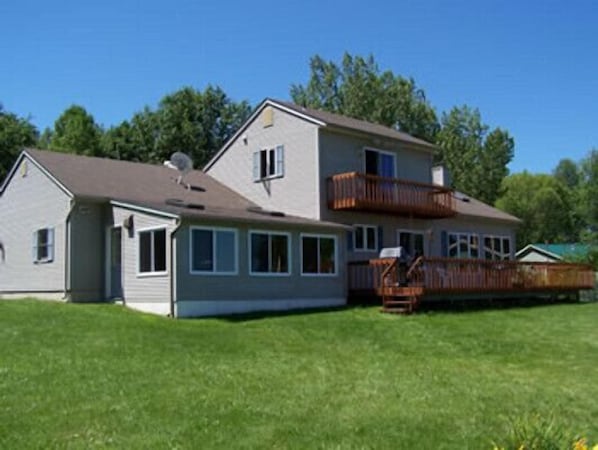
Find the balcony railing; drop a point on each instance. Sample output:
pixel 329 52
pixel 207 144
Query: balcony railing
pixel 355 191
pixel 447 275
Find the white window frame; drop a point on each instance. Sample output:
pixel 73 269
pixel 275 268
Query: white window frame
pixel 460 234
pixel 363 247
pixel 384 152
pixel 278 172
pixel 412 231
pixel 319 236
pixel 214 230
pixel 503 255
pixel 141 274
pixel 289 255
pixel 50 246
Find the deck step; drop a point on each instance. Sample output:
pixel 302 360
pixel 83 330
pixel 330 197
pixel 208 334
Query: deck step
pixel 396 310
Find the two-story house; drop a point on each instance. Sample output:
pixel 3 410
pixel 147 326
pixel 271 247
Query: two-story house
pixel 379 181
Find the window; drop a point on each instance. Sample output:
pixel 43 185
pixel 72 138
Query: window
pixel 268 163
pixel 412 242
pixel 43 245
pixel 213 250
pixel 318 255
pixel 269 252
pixel 380 163
pixel 152 251
pixel 365 238
pixel 463 245
pixel 497 247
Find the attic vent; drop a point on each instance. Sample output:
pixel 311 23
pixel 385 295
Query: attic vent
pixel 462 197
pixel 258 210
pixel 182 204
pixel 268 117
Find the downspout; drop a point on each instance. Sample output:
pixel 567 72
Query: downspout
pixel 173 267
pixel 67 252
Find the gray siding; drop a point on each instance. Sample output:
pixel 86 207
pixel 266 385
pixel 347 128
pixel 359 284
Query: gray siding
pixel 340 153
pixel 295 193
pixel 87 252
pixel 29 203
pixel 191 287
pixel 141 288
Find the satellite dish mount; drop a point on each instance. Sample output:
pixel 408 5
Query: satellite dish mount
pixel 181 162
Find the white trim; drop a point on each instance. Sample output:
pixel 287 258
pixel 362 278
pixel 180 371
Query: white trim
pixel 539 250
pixel 385 152
pixel 214 251
pixel 289 256
pixel 40 167
pixel 276 173
pixel 318 274
pixel 143 209
pixel 215 307
pixel 161 273
pixel 159 308
pixel 266 102
pixel 364 248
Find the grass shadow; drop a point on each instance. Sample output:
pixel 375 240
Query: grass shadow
pixel 260 315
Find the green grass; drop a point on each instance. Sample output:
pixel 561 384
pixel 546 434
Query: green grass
pixel 81 376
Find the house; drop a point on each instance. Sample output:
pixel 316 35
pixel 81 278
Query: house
pixel 375 179
pixel 83 229
pixel 383 184
pixel 552 252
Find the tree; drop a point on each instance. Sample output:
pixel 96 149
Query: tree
pixel 476 159
pixel 357 88
pixel 567 172
pixel 75 131
pixel 588 193
pixel 543 203
pixel 16 133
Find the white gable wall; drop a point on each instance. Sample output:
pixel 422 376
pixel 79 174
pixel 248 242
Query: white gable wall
pixel 32 201
pixel 296 192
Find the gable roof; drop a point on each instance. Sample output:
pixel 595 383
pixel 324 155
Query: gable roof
pixel 153 187
pixel 324 119
pixel 470 206
pixel 556 251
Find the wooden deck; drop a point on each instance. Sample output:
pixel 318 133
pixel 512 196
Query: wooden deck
pixel 402 289
pixel 355 191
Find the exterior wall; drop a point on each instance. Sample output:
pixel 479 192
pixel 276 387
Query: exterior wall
pixel 32 201
pixel 149 293
pixel 533 256
pixel 87 250
pixel 201 295
pixel 340 153
pixel 295 193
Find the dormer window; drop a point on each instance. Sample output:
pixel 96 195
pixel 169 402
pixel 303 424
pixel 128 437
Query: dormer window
pixel 268 163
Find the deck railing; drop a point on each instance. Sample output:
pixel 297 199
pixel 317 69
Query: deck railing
pixel 472 275
pixel 357 191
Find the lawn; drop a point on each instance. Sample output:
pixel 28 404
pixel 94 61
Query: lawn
pixel 82 376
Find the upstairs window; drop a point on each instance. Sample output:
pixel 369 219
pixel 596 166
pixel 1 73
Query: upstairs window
pixel 43 245
pixel 268 163
pixel 152 251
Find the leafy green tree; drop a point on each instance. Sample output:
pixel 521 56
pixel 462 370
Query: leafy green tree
pixel 543 203
pixel 75 131
pixel 357 88
pixel 588 193
pixel 476 158
pixel 567 172
pixel 16 133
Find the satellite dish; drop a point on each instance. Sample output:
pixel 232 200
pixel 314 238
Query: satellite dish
pixel 181 162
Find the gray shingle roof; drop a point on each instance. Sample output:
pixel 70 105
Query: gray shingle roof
pixel 151 186
pixel 470 206
pixel 350 123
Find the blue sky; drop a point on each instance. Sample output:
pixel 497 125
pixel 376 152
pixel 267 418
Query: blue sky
pixel 529 66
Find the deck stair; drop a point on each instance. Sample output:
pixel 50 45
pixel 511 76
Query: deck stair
pixel 397 297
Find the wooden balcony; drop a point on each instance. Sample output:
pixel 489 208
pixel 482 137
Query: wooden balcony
pixel 454 277
pixel 355 191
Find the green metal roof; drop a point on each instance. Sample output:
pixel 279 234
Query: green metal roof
pixel 562 250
